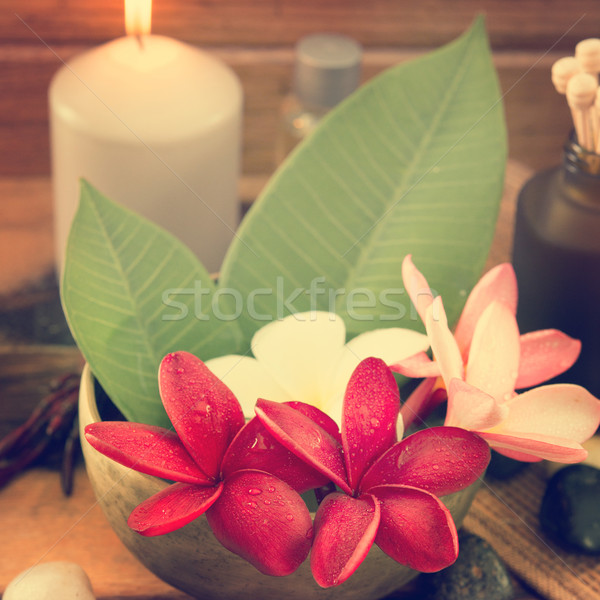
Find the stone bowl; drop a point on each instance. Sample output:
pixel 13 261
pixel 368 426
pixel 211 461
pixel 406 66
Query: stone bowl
pixel 192 560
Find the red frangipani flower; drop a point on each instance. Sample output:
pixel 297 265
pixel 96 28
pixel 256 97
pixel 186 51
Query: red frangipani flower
pixel 236 474
pixel 389 489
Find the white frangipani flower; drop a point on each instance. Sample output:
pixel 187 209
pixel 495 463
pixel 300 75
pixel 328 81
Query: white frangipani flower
pixel 305 357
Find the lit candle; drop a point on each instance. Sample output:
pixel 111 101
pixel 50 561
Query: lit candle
pixel 154 124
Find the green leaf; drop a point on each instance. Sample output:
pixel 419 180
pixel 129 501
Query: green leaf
pixel 133 293
pixel 413 162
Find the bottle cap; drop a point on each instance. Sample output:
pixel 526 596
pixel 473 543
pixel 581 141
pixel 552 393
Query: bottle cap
pixel 327 69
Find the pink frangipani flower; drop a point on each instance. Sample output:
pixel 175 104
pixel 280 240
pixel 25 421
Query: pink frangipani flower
pixel 388 490
pixel 547 422
pixel 542 354
pixel 238 475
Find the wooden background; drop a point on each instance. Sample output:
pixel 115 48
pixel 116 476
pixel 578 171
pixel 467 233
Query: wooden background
pixel 256 38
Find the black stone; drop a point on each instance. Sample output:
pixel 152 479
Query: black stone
pixel 478 574
pixel 570 511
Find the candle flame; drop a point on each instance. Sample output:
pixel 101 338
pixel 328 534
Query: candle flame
pixel 138 17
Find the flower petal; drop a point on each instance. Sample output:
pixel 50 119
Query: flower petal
pixel 561 410
pixel 532 447
pixel 172 508
pixel 494 355
pixel 305 438
pixel 319 417
pixel 392 345
pixel 255 448
pixel 417 366
pixel 500 284
pixel 445 350
pixel 248 379
pixel 416 528
pixel 544 355
pixel 440 460
pixel 203 410
pixel 263 520
pixel 472 409
pixel 421 402
pixel 345 528
pixel 297 351
pixel 371 407
pixel 146 449
pixel 417 287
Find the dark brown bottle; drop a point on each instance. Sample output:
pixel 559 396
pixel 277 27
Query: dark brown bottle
pixel 556 256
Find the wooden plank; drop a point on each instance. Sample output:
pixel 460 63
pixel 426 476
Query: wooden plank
pixel 397 23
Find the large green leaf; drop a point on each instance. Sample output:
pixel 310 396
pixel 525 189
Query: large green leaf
pixel 411 163
pixel 132 293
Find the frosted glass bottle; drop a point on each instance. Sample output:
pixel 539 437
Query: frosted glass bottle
pixel 327 68
pixel 556 256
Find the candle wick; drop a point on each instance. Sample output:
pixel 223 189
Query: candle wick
pixel 140 40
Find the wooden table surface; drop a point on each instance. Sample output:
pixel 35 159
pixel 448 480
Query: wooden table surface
pixel 37 523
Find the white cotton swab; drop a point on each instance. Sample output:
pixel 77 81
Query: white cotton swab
pixel 587 53
pixel 562 70
pixel 581 95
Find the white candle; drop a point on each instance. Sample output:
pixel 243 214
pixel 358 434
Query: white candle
pixel 154 124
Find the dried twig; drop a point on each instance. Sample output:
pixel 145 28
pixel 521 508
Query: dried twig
pixel 53 419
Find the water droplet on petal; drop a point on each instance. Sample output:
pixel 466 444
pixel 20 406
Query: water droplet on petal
pixel 254 491
pixel 316 441
pixel 435 467
pixel 289 517
pixel 251 504
pixel 375 422
pixel 179 371
pixel 271 489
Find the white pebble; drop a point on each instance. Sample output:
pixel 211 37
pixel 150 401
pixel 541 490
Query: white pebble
pixel 59 580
